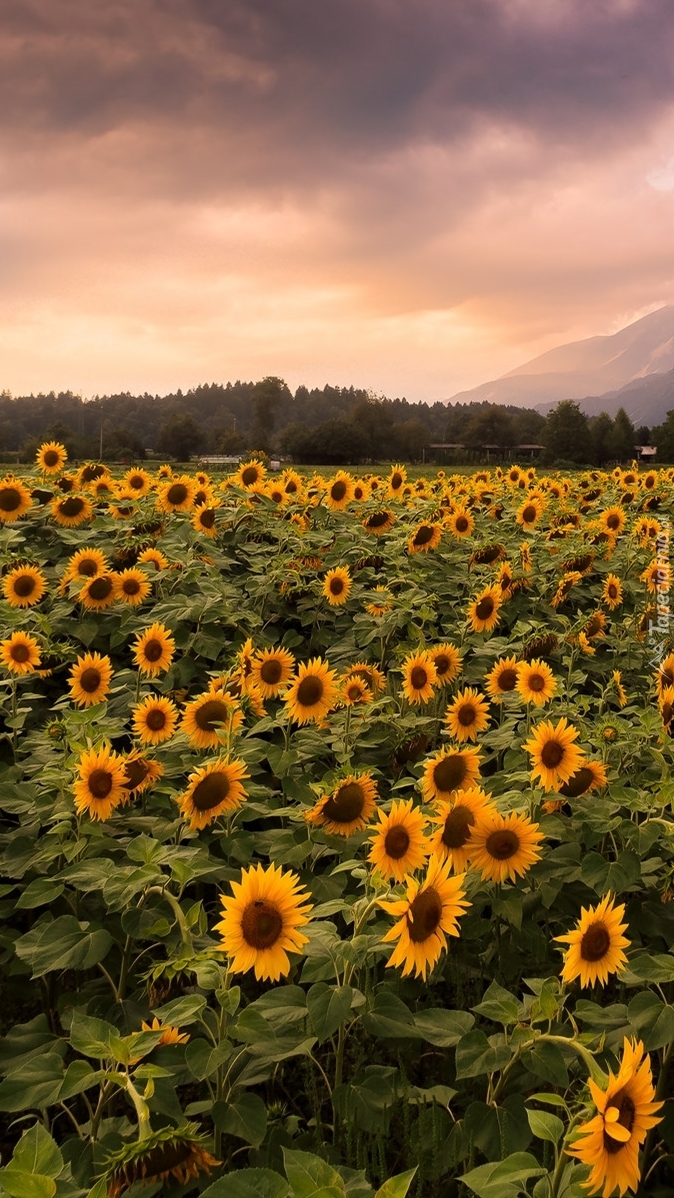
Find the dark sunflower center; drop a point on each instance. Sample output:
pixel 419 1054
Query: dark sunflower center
pixel 131 586
pixel 20 653
pixel 100 783
pixel 72 506
pixel 310 691
pixel 424 915
pixel 354 692
pixel 578 783
pixel 457 827
pixel 377 519
pixel 338 490
pixel 210 712
pixel 397 480
pixel 442 664
pixel 90 680
pixel 667 711
pixel 536 682
pixel 136 772
pixel 153 650
pixel 502 844
pixel 346 804
pixel 336 586
pixel 466 715
pixel 551 754
pixel 423 535
pixel 177 493
pixel 249 476
pixel 199 498
pixel 24 585
pixel 207 518
pixel 418 678
pixel 100 588
pixel 291 487
pixel 136 482
pixel 155 719
pixel 593 626
pixel 450 773
pixel 595 942
pixel 210 791
pixel 485 608
pixel 10 499
pixel 626 1119
pixel 87 567
pixel 51 457
pixel 396 842
pixel 507 680
pixel 529 514
pixel 261 924
pixel 271 671
pixel 461 524
pixel 613 521
pixel 612 591
pixel 160 1159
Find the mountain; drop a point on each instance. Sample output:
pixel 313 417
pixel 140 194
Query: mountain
pixel 591 367
pixel 646 400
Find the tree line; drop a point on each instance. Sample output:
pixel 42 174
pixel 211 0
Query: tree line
pixel 329 425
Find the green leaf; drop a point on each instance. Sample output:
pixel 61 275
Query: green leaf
pixel 443 1028
pixel 311 1177
pixel 62 943
pixel 39 892
pixel 79 1076
pixel 545 1126
pixel 35 1083
pixel 389 1017
pixel 248 1183
pixel 396 1187
pixel 546 1061
pixel 246 1118
pixel 91 1036
pixel 36 1152
pixel 503 1179
pixel 367 1102
pixel 203 1060
pixel 652 1020
pixel 328 1007
pixel 658 967
pixel 475 1055
pixel 20 1184
pixel 499 1005
pixel 182 1011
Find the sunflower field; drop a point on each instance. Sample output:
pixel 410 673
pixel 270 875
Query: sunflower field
pixel 337 834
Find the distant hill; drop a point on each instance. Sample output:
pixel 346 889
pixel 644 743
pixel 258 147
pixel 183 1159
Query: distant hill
pixel 638 354
pixel 646 400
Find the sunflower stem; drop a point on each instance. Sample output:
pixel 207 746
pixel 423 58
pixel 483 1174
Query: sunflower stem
pixel 142 1110
pixel 561 1161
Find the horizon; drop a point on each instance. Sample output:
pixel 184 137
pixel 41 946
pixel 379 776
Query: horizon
pixel 421 201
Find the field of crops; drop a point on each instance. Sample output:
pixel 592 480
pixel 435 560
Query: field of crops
pixel 337 835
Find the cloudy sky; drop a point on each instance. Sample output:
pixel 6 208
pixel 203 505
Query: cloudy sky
pixel 408 195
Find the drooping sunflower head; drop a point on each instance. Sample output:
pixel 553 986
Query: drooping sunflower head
pixel 99 787
pixel 467 714
pixel 591 775
pixel 381 601
pixel 419 677
pixel 51 457
pixel 311 693
pixel 215 789
pixel 153 650
pixel 428 914
pixel 455 821
pixel 398 844
pixel 336 586
pixel 348 808
pixel 140 773
pixel 24 586
pixel 504 846
pixel 450 770
pixel 379 522
pixel 89 680
pixel 20 653
pixel 565 587
pixel 261 922
pixel 425 537
pixel 15 500
pixel 178 1153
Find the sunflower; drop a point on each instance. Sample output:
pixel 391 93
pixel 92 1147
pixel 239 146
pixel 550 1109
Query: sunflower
pixel 72 511
pixel 153 650
pixel 209 715
pixel 203 519
pixel 396 481
pixel 448 662
pixel 554 757
pixel 612 593
pixel 312 692
pixel 15 500
pixel 620 689
pixel 503 846
pixel 420 676
pixel 100 592
pixel 425 537
pixel 459 523
pixel 657 576
pixel 348 808
pixel 291 482
pixel 530 512
pixel 20 653
pixel 426 917
pixel 609 1142
pixel 153 557
pixel 250 474
pixel 176 494
pixel 502 678
pixel 24 586
pixel 86 563
pixel 467 714
pixel 100 783
pixel 133 587
pixel 51 457
pixel 169 1034
pixel 535 682
pixel 353 691
pixel 565 587
pixel 398 844
pixel 487 556
pixel 449 770
pixel 90 472
pixel 591 775
pixel 154 720
pixel 213 790
pixel 664 675
pixel 89 679
pixel 483 609
pixel 455 820
pixel 336 586
pixel 613 520
pixel 596 944
pixel 379 522
pixel 260 923
pixel 271 670
pixel 140 773
pixel 339 491
pixel 381 601
pixel 666 704
pixel 138 482
pixel 373 678
pixel 170 1152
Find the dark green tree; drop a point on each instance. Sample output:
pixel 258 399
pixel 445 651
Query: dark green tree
pixel 663 438
pixel 493 426
pixel 180 437
pixel 267 398
pixel 566 434
pixel 601 429
pixel 621 440
pixel 229 440
pixel 643 435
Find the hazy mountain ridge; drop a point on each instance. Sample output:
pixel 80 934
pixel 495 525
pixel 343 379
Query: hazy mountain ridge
pixel 646 400
pixel 594 369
